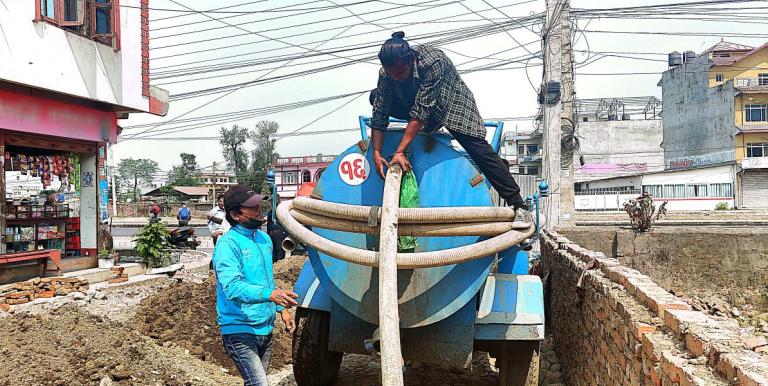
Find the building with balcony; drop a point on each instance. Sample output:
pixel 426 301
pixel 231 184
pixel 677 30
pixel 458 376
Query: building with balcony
pixel 714 110
pixel 292 172
pixel 217 179
pixel 523 152
pixel 69 69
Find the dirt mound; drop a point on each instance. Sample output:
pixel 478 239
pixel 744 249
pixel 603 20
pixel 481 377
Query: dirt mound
pixel 184 315
pixel 71 347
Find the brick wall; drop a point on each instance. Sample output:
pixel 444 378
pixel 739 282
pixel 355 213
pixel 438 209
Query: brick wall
pixel 612 325
pixel 145 48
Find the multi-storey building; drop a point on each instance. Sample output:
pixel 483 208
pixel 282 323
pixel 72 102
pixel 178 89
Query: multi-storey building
pixel 714 109
pixel 69 69
pixel 292 172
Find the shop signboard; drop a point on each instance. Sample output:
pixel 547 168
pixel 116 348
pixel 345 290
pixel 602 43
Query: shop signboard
pixel 103 200
pixel 20 111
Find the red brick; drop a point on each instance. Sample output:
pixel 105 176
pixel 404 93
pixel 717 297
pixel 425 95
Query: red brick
pixel 672 366
pixel 660 302
pixel 655 378
pixel 639 329
pixel 5 307
pixel 46 294
pixel 754 342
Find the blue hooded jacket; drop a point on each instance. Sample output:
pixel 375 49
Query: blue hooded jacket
pixel 242 260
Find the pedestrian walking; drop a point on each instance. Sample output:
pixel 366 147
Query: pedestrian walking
pixel 246 298
pixel 217 222
pixel 422 86
pixel 184 215
pixel 154 211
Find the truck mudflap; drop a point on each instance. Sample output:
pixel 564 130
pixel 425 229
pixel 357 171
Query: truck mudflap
pixel 311 294
pixel 511 308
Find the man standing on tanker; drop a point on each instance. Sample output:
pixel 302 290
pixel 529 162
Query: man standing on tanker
pixel 421 85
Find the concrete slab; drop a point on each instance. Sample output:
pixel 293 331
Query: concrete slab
pixel 96 275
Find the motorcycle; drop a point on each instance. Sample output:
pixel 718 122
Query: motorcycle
pixel 183 238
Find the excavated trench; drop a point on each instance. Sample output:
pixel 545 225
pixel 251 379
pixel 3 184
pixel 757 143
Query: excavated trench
pixel 164 332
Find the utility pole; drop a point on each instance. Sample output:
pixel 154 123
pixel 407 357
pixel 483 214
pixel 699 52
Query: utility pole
pixel 552 109
pixel 213 168
pixel 567 199
pixel 112 180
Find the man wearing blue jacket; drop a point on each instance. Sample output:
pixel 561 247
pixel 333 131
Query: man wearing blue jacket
pixel 246 298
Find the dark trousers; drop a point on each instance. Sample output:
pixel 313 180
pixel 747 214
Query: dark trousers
pixel 251 354
pixel 489 163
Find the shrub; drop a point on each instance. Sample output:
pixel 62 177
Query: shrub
pixel 722 206
pixel 152 245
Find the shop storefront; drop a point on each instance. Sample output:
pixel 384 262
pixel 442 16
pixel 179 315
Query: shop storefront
pixel 54 183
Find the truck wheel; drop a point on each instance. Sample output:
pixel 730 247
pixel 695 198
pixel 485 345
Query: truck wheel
pixel 313 363
pixel 518 363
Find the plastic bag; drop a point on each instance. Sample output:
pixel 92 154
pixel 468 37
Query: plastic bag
pixel 409 198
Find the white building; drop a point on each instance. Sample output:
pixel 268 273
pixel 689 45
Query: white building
pixel 684 190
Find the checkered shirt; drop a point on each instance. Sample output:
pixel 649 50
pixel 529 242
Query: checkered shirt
pixel 441 97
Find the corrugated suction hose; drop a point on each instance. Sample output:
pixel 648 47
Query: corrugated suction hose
pixel 452 221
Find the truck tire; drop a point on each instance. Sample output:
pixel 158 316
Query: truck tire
pixel 518 363
pixel 313 363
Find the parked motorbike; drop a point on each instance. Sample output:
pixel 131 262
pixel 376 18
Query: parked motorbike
pixel 183 238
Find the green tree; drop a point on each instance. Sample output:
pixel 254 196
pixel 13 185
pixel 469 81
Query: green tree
pixel 233 149
pixel 263 153
pixel 186 174
pixel 137 172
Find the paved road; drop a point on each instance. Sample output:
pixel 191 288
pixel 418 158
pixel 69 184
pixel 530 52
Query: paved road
pixel 201 231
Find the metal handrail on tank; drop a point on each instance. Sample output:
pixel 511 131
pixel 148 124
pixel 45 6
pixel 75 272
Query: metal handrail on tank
pixel 495 141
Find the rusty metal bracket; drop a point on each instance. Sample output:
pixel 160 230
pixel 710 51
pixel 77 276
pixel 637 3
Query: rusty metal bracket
pixel 362 145
pixel 373 216
pixel 477 179
pixel 580 283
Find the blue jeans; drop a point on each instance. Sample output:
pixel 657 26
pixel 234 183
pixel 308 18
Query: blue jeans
pixel 251 354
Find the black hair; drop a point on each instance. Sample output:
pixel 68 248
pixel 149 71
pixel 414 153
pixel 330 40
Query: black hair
pixel 229 217
pixel 219 196
pixel 395 49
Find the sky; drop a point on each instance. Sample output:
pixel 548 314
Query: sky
pixel 500 93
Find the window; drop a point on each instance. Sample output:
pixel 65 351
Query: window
pixel 697 190
pixel 674 191
pixel 719 77
pixel 754 113
pixel 95 19
pixel 289 178
pixel 757 150
pixel 720 190
pixel 653 190
pixel 532 149
pixel 520 149
pixel 762 79
pixel 533 170
pixel 318 174
pixel 585 119
pixel 521 170
pixel 306 176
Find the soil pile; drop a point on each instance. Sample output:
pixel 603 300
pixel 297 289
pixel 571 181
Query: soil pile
pixel 71 347
pixel 184 315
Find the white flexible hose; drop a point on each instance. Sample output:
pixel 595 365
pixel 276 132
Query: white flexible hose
pixel 389 317
pixel 404 260
pixel 407 215
pixel 428 230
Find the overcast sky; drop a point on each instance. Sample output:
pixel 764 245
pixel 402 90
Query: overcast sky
pixel 499 93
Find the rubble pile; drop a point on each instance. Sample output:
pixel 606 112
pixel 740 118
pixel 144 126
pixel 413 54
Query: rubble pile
pixel 118 275
pixel 48 287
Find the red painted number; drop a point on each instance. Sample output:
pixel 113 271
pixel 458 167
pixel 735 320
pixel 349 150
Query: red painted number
pixel 354 169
